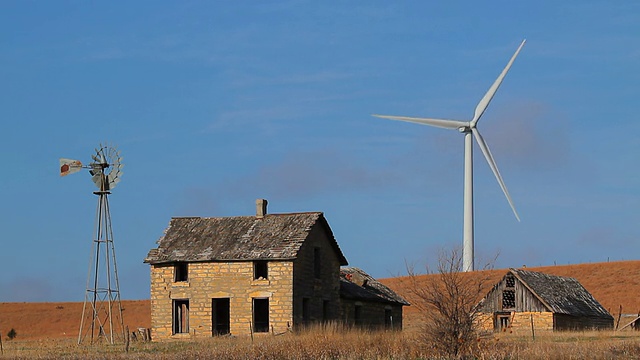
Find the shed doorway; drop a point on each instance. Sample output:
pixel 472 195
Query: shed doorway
pixel 220 318
pixel 502 321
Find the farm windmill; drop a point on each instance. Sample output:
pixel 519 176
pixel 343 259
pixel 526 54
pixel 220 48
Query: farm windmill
pixel 102 309
pixel 469 128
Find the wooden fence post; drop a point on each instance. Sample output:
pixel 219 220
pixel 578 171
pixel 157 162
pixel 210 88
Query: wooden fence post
pixel 533 331
pixel 127 339
pixel 619 315
pixel 251 329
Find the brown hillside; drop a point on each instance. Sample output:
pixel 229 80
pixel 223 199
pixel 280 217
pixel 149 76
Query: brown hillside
pixel 613 284
pixel 58 320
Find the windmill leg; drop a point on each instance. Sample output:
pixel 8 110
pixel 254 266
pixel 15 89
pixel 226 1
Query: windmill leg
pixel 467 250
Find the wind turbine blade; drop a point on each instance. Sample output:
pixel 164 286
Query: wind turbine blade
pixel 494 168
pixel 482 105
pixel 441 123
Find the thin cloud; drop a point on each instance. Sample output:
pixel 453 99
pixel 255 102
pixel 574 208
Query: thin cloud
pixel 527 135
pixel 303 174
pixel 26 289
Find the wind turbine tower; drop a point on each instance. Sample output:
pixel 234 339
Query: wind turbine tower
pixel 470 130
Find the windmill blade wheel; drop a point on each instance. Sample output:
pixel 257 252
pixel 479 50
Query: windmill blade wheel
pixel 106 167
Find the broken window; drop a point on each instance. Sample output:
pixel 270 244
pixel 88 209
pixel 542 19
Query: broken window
pixel 260 315
pixel 510 281
pixel 508 299
pixel 181 272
pixel 180 316
pixel 509 293
pixel 260 270
pixel 317 268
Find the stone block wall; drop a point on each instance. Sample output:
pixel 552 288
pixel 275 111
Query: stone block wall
pixel 206 281
pixel 520 322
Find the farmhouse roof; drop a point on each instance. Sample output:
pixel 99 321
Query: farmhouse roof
pixel 356 284
pixel 270 237
pixel 562 295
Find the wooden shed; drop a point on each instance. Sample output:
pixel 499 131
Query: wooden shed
pixel 523 300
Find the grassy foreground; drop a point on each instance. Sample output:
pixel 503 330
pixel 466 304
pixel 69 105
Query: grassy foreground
pixel 340 344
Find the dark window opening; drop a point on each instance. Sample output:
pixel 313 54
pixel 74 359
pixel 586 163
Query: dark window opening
pixel 181 272
pixel 325 310
pixel 260 270
pixel 260 315
pixel 357 315
pixel 388 319
pixel 180 316
pixel 220 316
pixel 317 267
pixel 305 311
pixel 508 299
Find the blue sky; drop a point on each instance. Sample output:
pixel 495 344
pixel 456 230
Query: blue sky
pixel 215 104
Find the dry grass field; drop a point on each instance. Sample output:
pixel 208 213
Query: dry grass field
pixel 336 343
pixel 50 330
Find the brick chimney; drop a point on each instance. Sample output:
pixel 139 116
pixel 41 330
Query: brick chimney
pixel 261 208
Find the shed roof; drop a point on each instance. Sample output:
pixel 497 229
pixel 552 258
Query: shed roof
pixel 563 295
pixel 273 237
pixel 358 285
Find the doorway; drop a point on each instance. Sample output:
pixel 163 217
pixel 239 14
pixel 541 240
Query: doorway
pixel 502 321
pixel 220 317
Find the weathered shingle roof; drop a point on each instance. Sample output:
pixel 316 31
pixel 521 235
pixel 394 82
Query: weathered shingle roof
pixel 358 285
pixel 563 295
pixel 276 236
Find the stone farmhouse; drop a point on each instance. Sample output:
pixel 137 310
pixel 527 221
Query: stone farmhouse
pixel 525 300
pixel 268 273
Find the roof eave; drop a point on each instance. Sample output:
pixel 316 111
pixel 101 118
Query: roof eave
pixel 160 262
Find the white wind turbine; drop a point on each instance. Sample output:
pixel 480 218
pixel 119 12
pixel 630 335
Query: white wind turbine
pixel 468 128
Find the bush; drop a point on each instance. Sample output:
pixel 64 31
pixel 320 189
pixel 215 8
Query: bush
pixel 447 301
pixel 12 334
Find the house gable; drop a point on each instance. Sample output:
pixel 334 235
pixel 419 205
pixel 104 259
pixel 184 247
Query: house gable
pixel 512 294
pixel 315 278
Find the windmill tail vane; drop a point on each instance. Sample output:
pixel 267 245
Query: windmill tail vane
pixel 70 166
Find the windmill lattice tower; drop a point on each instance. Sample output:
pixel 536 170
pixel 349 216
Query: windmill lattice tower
pixel 102 310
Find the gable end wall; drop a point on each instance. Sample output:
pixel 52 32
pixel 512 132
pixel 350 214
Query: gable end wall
pixel 318 291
